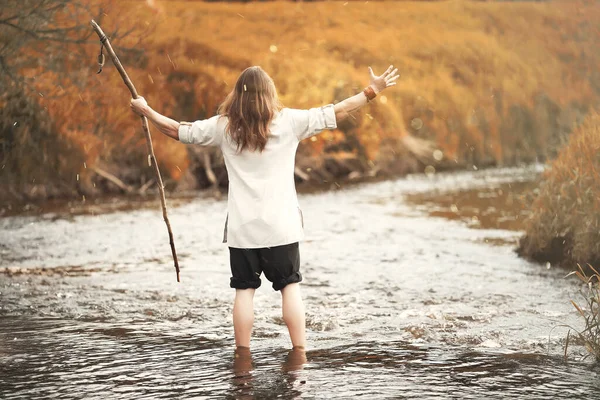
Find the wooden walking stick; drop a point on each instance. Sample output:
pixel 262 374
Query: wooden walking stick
pixel 105 43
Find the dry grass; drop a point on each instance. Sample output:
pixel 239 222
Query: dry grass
pixel 589 311
pixel 474 73
pixel 565 224
pixel 487 83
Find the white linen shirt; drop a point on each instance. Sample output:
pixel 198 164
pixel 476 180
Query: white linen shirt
pixel 262 206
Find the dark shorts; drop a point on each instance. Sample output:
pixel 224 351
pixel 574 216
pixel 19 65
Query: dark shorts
pixel 281 265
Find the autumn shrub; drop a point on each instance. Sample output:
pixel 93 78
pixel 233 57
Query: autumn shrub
pixel 35 158
pixel 565 223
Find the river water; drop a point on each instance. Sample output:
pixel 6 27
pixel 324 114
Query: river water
pixel 412 289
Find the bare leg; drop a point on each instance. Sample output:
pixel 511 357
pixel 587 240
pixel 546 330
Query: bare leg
pixel 243 316
pixel 293 314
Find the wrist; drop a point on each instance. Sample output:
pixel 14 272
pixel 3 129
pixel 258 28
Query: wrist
pixel 146 110
pixel 370 92
pixel 376 89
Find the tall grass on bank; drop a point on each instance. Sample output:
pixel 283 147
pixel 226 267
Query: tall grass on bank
pixel 565 224
pixel 589 337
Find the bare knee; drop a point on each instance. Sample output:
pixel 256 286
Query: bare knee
pixel 291 289
pixel 244 294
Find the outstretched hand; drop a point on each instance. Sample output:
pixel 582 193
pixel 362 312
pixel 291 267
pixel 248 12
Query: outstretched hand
pixel 385 80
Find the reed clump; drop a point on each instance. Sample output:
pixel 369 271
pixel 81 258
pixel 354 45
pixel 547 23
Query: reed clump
pixel 564 227
pixel 589 310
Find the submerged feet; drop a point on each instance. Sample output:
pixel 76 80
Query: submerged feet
pixel 295 359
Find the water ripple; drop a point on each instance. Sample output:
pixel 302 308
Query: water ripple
pixel 399 305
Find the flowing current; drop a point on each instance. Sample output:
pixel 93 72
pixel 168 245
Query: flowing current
pixel 412 289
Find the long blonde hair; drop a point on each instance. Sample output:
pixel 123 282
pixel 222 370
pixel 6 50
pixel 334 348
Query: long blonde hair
pixel 250 108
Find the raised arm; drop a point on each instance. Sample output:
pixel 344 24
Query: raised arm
pixel 164 124
pixel 378 83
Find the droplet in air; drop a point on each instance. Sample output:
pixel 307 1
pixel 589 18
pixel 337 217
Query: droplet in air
pixel 548 265
pixel 15 124
pixel 77 177
pixel 475 167
pixel 84 165
pixel 416 123
pixel 383 99
pixel 170 60
pixel 273 48
pixel 245 90
pixel 430 170
pixel 438 155
pixel 454 208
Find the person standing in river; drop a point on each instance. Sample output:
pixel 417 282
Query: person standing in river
pixel 259 139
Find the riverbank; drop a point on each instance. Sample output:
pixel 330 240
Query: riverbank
pixel 564 227
pixel 77 204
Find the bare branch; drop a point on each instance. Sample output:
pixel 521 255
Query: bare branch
pixel 46 33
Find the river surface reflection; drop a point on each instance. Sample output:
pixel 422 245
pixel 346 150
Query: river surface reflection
pixel 407 296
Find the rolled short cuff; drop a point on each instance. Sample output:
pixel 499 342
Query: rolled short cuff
pixel 236 283
pixel 185 132
pixel 329 120
pixel 294 278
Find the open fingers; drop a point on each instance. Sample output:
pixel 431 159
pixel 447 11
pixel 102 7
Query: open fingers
pixel 387 71
pixel 391 79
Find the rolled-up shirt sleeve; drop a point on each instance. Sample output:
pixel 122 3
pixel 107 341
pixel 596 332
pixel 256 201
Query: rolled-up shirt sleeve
pixel 206 132
pixel 310 122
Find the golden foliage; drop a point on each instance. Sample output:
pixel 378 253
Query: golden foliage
pixel 488 83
